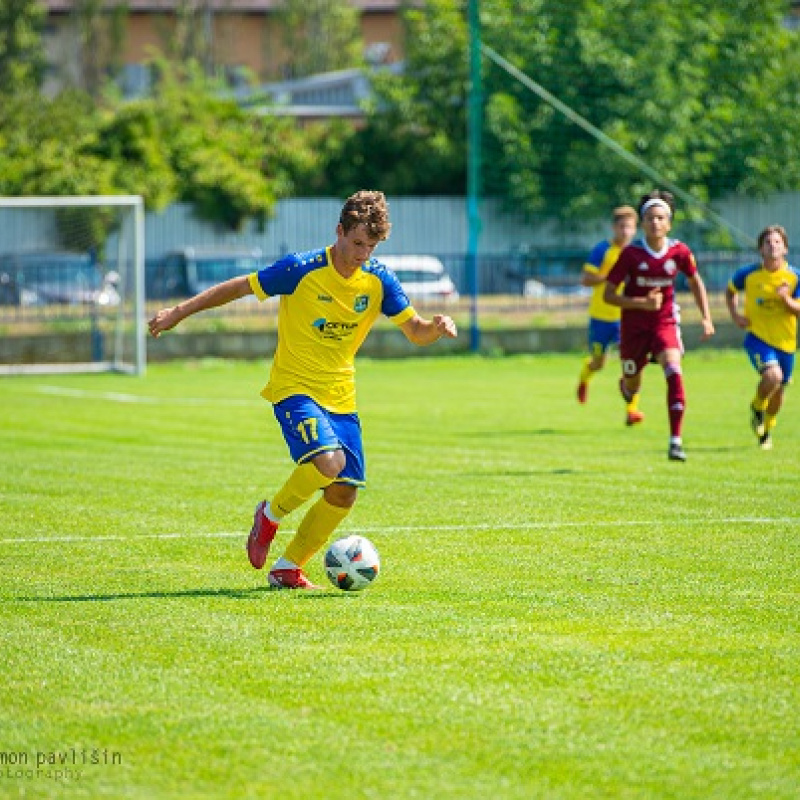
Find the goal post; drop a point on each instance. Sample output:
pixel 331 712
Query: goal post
pixel 72 284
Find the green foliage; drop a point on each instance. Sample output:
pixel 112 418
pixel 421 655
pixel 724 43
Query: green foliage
pixel 414 141
pixel 131 139
pixel 50 146
pixel 307 156
pixel 320 36
pixel 53 153
pixel 185 143
pixel 703 92
pixel 215 149
pixel 688 87
pixel 100 31
pixel 22 58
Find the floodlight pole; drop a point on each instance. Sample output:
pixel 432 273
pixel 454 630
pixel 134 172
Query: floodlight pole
pixel 474 129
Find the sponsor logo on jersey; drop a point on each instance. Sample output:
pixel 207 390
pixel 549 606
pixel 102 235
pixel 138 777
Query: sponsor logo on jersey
pixel 770 303
pixel 362 301
pixel 642 281
pixel 338 331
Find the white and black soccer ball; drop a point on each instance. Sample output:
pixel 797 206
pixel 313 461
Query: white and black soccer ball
pixel 352 563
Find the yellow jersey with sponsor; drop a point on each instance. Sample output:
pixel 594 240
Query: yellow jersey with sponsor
pixel 770 320
pixel 603 256
pixel 322 321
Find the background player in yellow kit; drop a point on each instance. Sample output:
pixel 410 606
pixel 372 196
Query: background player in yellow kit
pixel 330 298
pixel 604 319
pixel 771 307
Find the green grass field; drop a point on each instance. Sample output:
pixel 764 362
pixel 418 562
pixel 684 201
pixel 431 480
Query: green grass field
pixel 562 612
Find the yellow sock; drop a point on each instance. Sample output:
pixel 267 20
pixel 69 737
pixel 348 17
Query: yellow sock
pixel 320 521
pixel 770 421
pixel 760 403
pixel 303 482
pixel 587 373
pixel 634 403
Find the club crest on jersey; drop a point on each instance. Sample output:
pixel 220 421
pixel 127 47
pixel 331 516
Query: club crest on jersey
pixel 643 266
pixel 362 301
pixel 670 267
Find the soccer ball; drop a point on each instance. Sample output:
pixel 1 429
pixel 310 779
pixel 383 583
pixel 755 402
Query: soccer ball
pixel 352 563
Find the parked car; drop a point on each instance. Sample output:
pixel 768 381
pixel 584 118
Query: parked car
pixel 422 277
pixel 55 277
pixel 185 272
pixel 563 288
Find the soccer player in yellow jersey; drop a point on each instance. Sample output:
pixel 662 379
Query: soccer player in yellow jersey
pixel 329 300
pixel 771 307
pixel 604 319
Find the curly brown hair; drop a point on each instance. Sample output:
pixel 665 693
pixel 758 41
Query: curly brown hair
pixel 779 229
pixel 369 209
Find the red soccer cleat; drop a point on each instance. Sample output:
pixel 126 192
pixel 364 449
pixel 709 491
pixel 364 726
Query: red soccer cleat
pixel 583 389
pixel 290 579
pixel 261 536
pixel 634 418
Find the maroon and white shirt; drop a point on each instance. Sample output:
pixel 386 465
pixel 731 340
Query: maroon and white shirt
pixel 641 270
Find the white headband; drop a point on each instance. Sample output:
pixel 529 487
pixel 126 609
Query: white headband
pixel 656 201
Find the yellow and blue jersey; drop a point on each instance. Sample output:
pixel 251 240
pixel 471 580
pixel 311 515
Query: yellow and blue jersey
pixel 770 320
pixel 322 322
pixel 603 256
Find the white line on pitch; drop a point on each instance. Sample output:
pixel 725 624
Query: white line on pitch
pixel 400 529
pixel 121 397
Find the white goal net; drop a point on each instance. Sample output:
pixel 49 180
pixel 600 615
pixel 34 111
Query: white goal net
pixel 72 284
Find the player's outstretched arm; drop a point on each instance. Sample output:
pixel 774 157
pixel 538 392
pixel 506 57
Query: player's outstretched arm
pixel 732 302
pixel 701 298
pixel 214 296
pixel 427 331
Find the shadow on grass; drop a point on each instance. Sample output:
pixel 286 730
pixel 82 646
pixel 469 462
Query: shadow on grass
pixel 251 593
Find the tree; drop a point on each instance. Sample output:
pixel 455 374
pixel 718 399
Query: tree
pixel 184 143
pixel 703 92
pixel 687 85
pixel 22 60
pixel 191 39
pixel 414 141
pixel 100 31
pixel 320 36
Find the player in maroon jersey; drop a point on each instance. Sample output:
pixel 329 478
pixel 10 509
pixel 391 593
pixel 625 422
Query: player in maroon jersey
pixel 650 326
